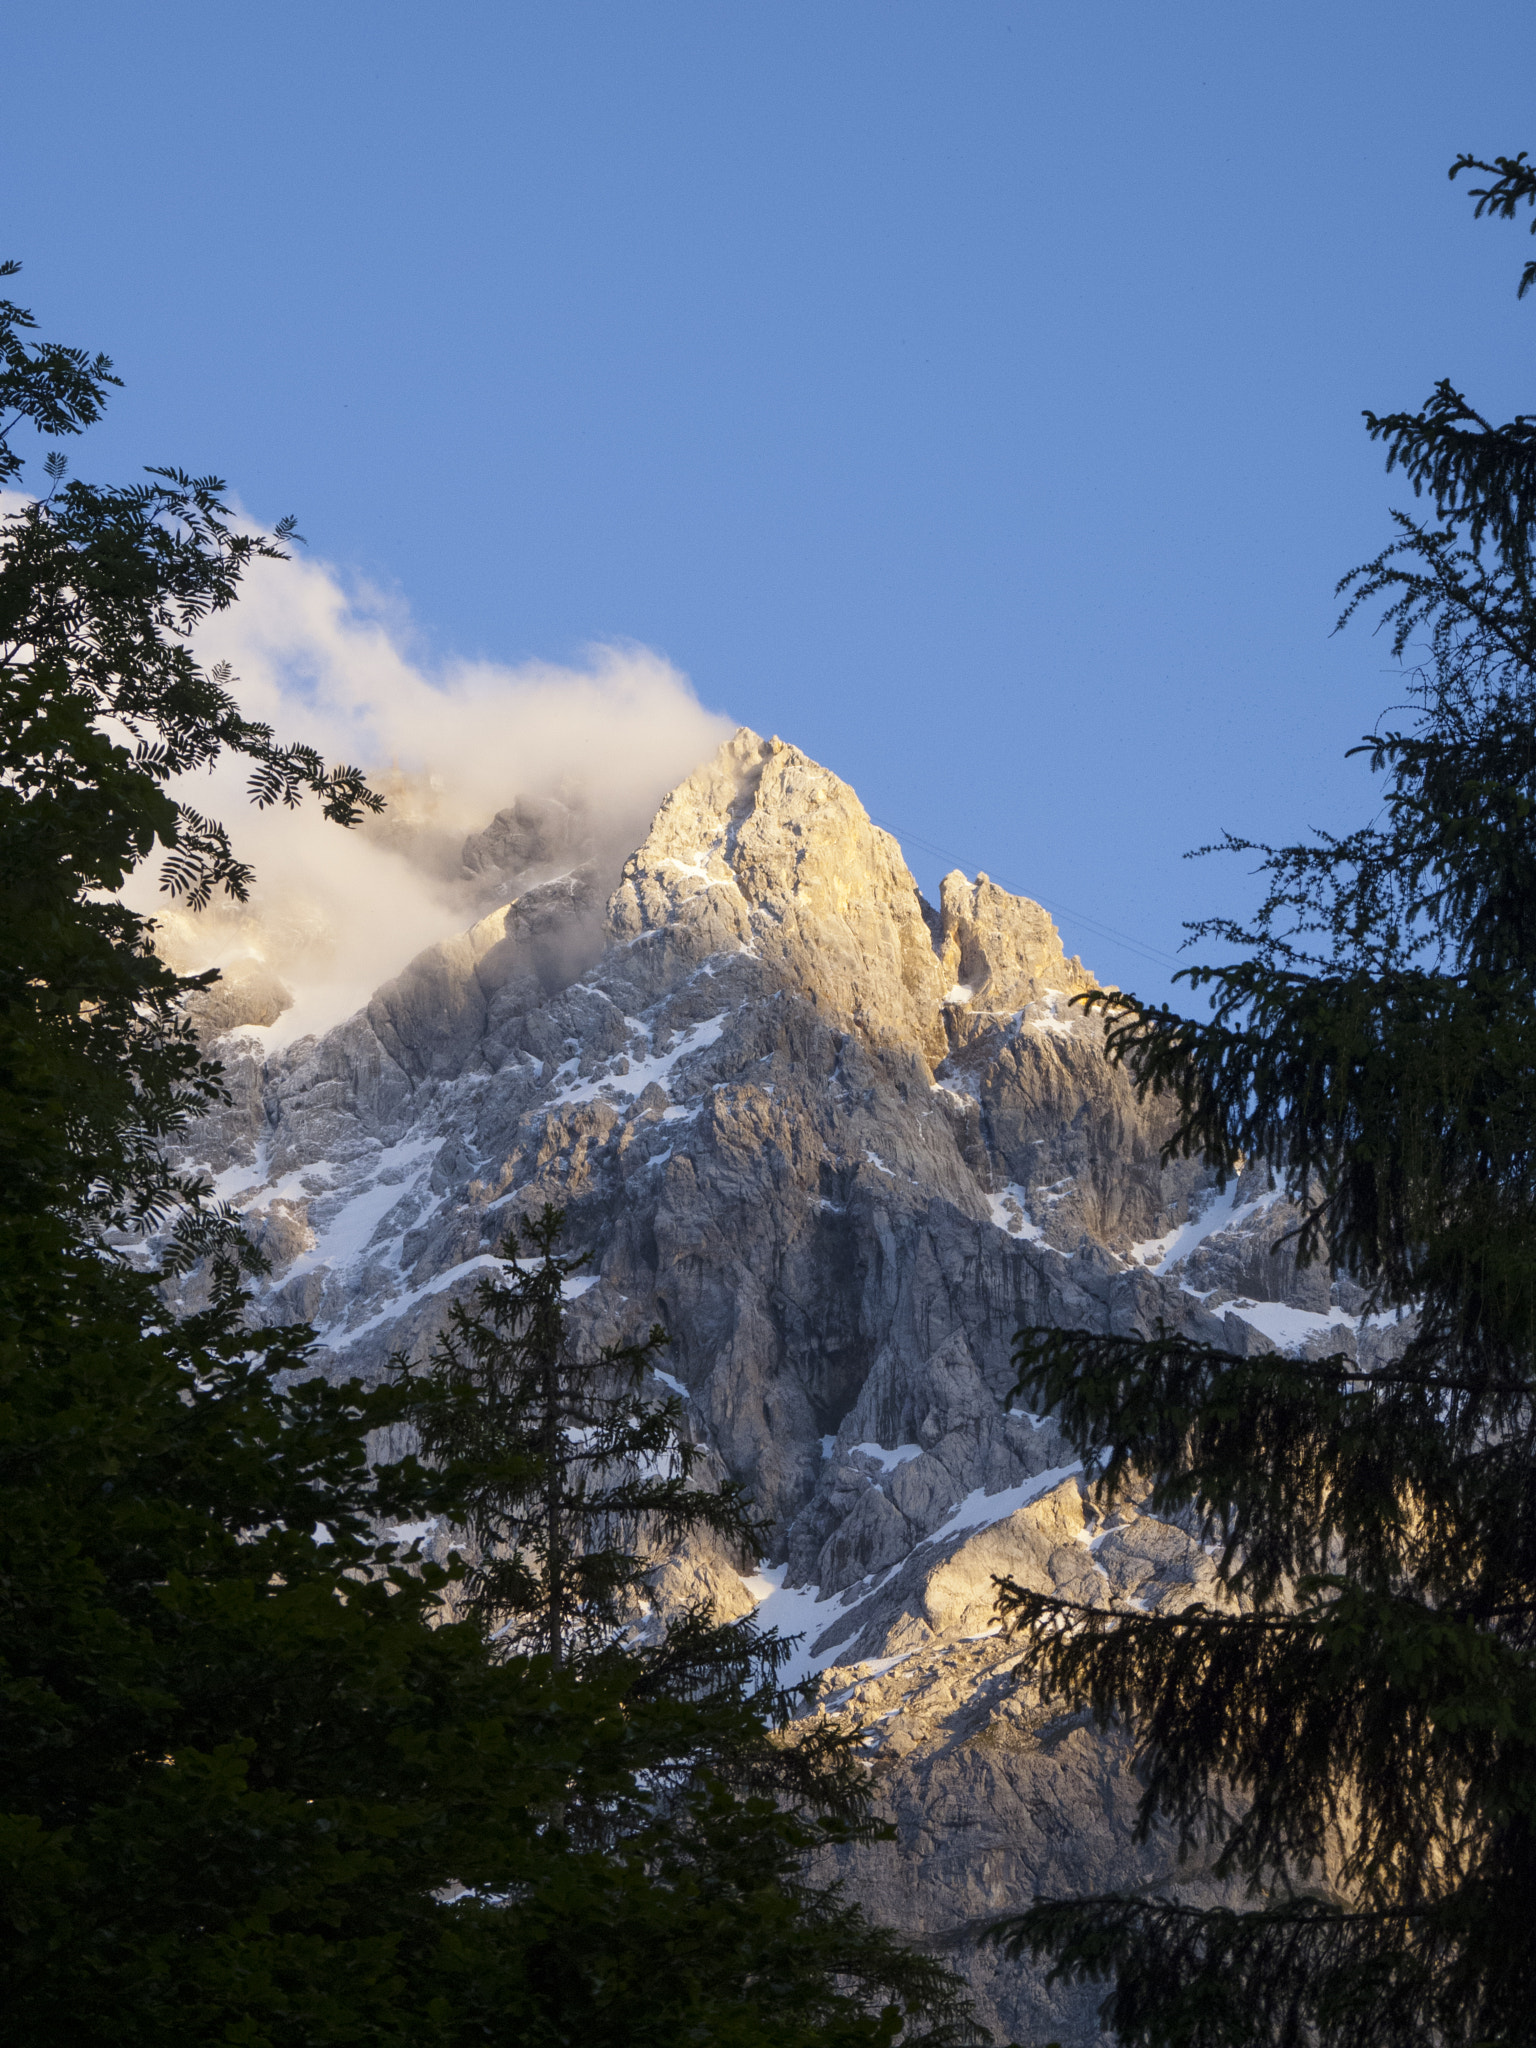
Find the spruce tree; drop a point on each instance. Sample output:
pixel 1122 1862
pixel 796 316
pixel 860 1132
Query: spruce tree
pixel 559 1465
pixel 1353 1729
pixel 569 1476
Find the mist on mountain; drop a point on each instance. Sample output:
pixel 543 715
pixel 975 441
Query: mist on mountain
pixel 495 775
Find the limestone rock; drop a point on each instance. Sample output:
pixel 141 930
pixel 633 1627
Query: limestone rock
pixel 246 992
pixel 994 1796
pixel 999 953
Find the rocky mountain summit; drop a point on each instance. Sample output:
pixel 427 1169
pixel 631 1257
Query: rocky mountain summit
pixel 841 1143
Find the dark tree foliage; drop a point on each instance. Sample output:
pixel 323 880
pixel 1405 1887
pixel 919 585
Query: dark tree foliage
pixel 232 1740
pixel 262 1785
pixel 560 1465
pixel 104 704
pixel 1354 1728
pixel 1478 474
pixel 556 1467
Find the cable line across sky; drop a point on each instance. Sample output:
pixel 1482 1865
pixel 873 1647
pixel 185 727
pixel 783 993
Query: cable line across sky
pixel 1153 954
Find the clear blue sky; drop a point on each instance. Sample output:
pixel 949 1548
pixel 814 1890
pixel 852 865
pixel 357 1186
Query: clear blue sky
pixel 967 391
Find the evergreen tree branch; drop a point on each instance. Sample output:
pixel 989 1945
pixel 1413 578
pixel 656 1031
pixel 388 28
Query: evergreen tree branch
pixel 1514 186
pixel 1360 1735
pixel 1282 1974
pixel 1285 1461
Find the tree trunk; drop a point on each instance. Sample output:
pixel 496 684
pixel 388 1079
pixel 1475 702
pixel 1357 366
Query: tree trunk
pixel 553 1502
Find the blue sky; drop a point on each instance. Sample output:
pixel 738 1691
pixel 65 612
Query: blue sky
pixel 968 392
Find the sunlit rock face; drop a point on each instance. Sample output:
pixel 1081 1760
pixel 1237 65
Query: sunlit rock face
pixel 841 1143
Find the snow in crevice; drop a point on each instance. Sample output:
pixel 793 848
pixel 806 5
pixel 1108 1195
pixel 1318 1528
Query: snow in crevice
pixel 831 1622
pixel 339 1338
pixel 1162 1254
pixel 698 871
pixel 873 1668
pixel 350 1229
pixel 657 1067
pixel 1049 1014
pixel 1010 1212
pixel 795 1611
pixel 1288 1327
pixel 979 1510
pixel 250 1183
pixel 887 1460
pixel 802 1611
pixel 963 1085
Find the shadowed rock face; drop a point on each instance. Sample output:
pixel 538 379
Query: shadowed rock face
pixel 247 992
pixel 841 1144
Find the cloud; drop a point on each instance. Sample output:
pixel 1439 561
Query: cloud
pixel 590 751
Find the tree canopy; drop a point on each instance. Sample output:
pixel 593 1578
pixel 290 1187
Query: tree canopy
pixel 104 707
pixel 1352 1730
pixel 266 1783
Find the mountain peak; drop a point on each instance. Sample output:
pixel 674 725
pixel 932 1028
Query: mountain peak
pixel 764 846
pixel 764 851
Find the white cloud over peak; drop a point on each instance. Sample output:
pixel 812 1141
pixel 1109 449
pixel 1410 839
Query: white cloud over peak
pixel 336 912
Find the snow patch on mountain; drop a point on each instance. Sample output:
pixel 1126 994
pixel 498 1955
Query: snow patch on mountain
pixel 1010 1212
pixel 631 1076
pixel 1224 1212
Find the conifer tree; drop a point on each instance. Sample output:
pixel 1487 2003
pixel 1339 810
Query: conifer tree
pixel 559 1464
pixel 1353 1730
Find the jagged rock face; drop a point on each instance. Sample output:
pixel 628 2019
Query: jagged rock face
pixel 753 1082
pixel 995 1797
pixel 765 854
pixel 841 1144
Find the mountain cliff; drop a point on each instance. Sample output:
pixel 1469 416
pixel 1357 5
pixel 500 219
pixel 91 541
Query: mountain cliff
pixel 840 1142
